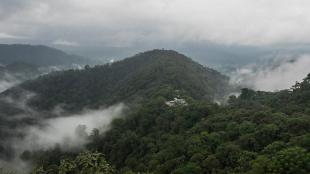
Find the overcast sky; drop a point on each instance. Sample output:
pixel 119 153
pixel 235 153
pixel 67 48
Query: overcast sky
pixel 154 23
pixel 213 32
pixel 125 22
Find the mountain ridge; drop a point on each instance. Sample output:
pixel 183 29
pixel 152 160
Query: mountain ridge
pixel 129 79
pixel 39 55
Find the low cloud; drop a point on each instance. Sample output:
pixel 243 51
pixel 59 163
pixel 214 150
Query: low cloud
pixel 70 132
pixel 10 36
pixel 7 81
pixel 281 73
pixel 62 42
pixel 42 131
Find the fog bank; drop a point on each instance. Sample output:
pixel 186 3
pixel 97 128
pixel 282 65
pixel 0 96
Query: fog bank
pixel 278 74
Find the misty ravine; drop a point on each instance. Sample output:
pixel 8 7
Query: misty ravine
pixel 68 132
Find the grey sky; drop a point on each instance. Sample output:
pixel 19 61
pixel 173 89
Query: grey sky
pixel 213 32
pixel 123 23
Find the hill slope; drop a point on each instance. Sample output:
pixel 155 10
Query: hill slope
pixel 134 80
pixel 253 134
pixel 126 81
pixel 257 132
pixel 37 55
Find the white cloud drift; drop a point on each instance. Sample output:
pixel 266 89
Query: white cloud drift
pixel 66 130
pixel 69 132
pixel 7 81
pixel 277 76
pixel 65 43
pixel 10 36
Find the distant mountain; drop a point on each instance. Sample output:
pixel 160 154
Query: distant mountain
pixel 37 55
pixel 129 80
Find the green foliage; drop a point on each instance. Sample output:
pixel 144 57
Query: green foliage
pixel 256 133
pixel 251 135
pixel 204 138
pixel 131 81
pixel 160 75
pixel 3 171
pixel 189 168
pixel 84 163
pixel 291 160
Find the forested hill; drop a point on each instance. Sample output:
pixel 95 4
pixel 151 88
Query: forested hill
pixel 129 80
pixel 256 133
pixel 37 55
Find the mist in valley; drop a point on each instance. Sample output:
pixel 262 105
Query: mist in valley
pixel 68 132
pixel 273 74
pixel 84 86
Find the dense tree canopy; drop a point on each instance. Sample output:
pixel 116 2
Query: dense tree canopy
pixel 129 80
pixel 255 133
pixel 250 135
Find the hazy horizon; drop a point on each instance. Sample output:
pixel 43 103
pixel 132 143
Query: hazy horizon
pixel 211 32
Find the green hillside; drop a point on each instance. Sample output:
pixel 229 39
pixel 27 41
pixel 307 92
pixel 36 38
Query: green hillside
pixel 172 125
pixel 131 80
pixel 251 135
